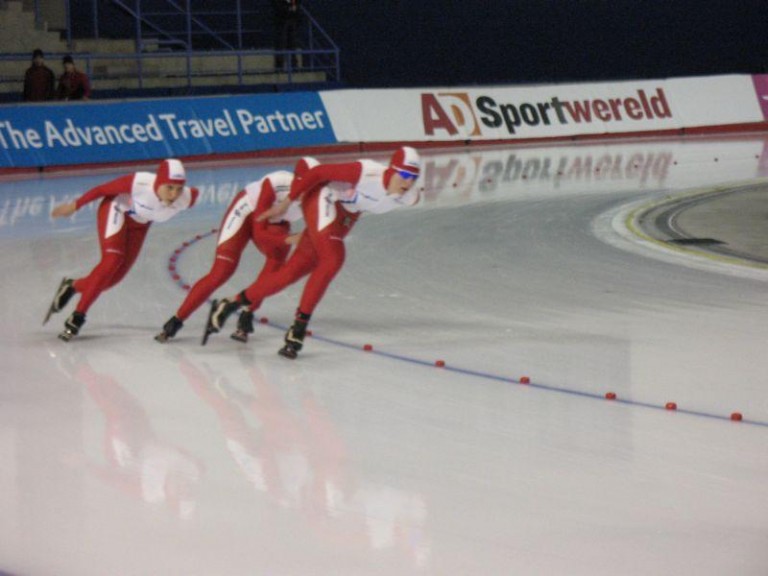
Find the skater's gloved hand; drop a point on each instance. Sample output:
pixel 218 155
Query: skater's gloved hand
pixel 66 209
pixel 276 210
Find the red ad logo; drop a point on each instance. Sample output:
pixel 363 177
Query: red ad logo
pixel 761 87
pixel 456 114
pixel 449 111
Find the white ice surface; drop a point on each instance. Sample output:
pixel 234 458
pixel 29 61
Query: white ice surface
pixel 119 455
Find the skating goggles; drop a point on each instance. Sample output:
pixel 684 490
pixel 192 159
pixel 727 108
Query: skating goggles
pixel 407 175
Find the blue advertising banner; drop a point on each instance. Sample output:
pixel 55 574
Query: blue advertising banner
pixel 93 132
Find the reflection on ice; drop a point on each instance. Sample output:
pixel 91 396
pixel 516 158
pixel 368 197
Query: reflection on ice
pixel 290 450
pixel 448 177
pixel 135 461
pixel 121 455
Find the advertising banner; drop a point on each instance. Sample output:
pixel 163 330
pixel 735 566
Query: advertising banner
pixel 112 132
pixel 93 132
pixel 530 112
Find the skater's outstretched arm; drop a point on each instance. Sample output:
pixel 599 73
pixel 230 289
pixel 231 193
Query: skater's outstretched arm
pixel 114 187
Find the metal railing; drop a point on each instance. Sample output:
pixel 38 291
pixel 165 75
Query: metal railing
pixel 173 32
pixel 184 72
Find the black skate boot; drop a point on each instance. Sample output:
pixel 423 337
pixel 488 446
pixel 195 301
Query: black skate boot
pixel 64 293
pixel 220 311
pixel 244 326
pixel 72 326
pixel 294 338
pixel 169 329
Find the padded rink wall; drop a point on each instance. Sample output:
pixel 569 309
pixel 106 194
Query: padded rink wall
pixel 56 136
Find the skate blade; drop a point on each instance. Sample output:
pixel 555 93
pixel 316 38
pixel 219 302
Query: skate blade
pixel 162 337
pixel 48 316
pixel 66 336
pixel 52 308
pixel 240 336
pixel 209 328
pixel 288 352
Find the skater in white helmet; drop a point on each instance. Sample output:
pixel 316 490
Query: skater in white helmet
pixel 332 198
pixel 129 206
pixel 271 237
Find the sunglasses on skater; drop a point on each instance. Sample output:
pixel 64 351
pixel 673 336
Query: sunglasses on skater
pixel 407 175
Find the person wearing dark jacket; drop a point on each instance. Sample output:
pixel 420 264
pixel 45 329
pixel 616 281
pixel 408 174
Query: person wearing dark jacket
pixel 73 84
pixel 287 15
pixel 39 80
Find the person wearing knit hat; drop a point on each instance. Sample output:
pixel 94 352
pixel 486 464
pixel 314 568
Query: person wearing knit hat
pixel 271 237
pixel 128 207
pixel 39 80
pixel 332 197
pixel 73 84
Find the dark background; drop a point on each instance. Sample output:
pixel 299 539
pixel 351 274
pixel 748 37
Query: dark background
pixel 449 42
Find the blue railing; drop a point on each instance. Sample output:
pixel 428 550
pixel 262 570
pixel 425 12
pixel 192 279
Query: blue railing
pixel 176 30
pixel 183 24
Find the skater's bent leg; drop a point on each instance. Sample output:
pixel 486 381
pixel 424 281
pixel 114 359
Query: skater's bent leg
pixel 275 262
pixel 113 234
pixel 301 263
pixel 136 237
pixel 331 254
pixel 221 271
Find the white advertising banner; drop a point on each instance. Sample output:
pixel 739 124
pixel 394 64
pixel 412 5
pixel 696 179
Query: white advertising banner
pixel 545 111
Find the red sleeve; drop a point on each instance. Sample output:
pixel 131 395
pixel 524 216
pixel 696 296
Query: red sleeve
pixel 195 193
pixel 321 175
pixel 112 188
pixel 267 197
pixel 86 84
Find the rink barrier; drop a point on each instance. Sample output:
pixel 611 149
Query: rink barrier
pixel 441 364
pixel 109 132
pixel 55 137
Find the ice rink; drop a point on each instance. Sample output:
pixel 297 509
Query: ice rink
pixel 123 456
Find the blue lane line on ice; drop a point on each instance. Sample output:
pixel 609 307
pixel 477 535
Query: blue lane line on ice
pixel 176 277
pixel 534 385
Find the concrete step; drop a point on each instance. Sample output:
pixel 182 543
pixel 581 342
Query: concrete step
pixel 20 33
pixel 104 46
pixel 105 66
pixel 12 6
pixel 52 12
pixel 231 80
pixel 166 65
pixel 9 84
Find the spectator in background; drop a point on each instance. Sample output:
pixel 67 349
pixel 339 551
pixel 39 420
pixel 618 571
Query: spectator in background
pixel 39 80
pixel 286 26
pixel 73 84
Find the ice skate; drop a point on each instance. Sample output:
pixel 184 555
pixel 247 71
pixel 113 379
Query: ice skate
pixel 169 329
pixel 220 311
pixel 64 293
pixel 72 326
pixel 294 340
pixel 244 326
